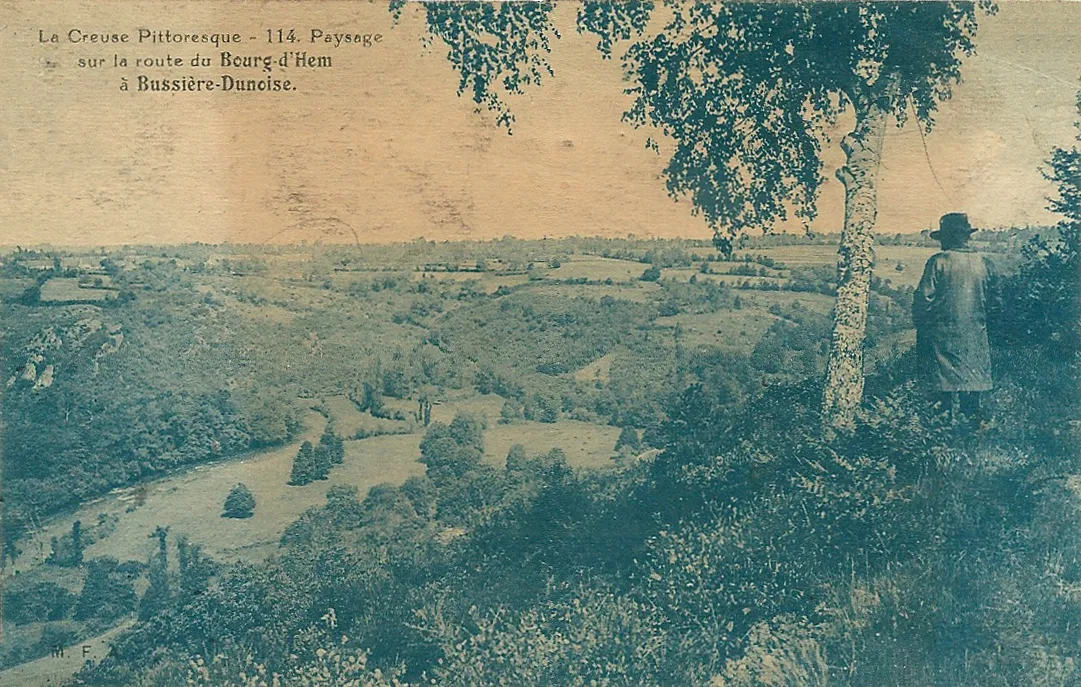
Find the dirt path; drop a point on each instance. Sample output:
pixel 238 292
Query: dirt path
pixel 51 671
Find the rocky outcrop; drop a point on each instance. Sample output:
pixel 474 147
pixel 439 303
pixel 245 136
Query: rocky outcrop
pixel 52 343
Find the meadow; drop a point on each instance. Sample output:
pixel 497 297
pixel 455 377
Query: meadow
pixel 243 353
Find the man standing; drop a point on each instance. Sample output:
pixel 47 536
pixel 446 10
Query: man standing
pixel 950 313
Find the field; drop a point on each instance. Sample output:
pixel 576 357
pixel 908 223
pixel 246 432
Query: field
pixel 598 269
pixel 910 260
pixel 190 502
pixel 736 330
pixel 561 354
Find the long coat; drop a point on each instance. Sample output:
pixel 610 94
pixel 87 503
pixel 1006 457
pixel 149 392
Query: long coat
pixel 950 312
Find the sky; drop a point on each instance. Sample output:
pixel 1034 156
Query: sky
pixel 380 148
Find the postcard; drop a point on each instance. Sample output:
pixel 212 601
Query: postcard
pixel 540 343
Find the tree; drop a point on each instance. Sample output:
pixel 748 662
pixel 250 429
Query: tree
pixel 369 399
pixel 424 407
pixel 511 411
pixel 467 431
pixel 240 503
pixel 321 461
pixel 516 457
pixel 156 598
pixel 745 91
pixel 44 601
pixel 67 551
pixel 332 445
pixel 31 296
pixel 303 466
pixel 77 543
pixel 158 595
pixel 628 436
pixel 452 450
pixel 652 273
pixel 541 407
pixel 107 593
pixel 768 353
pixel 269 422
pixel 1044 300
pixel 195 568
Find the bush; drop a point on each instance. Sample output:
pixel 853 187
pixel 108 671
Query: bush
pixel 591 637
pixel 240 503
pixel 541 408
pixel 44 601
pixel 511 411
pixel 668 308
pixel 332 446
pixel 452 450
pixel 108 592
pixel 652 273
pixel 322 461
pixel 1043 304
pixel 305 470
pixel 628 437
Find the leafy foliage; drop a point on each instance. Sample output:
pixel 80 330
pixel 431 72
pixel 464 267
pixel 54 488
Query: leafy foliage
pixel 305 468
pixel 493 46
pixel 652 273
pixel 628 437
pixel 1044 299
pixel 481 567
pixel 742 89
pixel 240 503
pixel 452 450
pixel 108 592
pixel 159 593
pixel 39 602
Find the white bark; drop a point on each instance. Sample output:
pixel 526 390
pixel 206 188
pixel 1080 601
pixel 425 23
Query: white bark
pixel 844 369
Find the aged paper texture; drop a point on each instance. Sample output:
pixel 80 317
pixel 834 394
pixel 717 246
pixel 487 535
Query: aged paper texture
pixel 527 343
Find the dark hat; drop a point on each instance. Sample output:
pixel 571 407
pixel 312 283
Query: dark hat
pixel 953 224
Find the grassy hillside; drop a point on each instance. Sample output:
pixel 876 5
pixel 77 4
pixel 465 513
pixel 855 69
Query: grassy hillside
pixel 212 365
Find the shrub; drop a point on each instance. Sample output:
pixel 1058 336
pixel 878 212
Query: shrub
pixel 108 592
pixel 451 451
pixel 322 461
pixel 652 273
pixel 591 637
pixel 44 601
pixel 541 408
pixel 511 411
pixel 628 437
pixel 240 503
pixel 328 659
pixel 304 467
pixel 333 445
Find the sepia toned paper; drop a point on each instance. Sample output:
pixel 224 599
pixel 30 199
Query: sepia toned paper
pixel 368 343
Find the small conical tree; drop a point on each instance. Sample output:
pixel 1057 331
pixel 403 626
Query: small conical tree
pixel 333 445
pixel 77 543
pixel 240 503
pixel 303 466
pixel 339 450
pixel 158 595
pixel 321 461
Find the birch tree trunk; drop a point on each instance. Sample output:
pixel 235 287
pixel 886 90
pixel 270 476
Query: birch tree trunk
pixel 844 369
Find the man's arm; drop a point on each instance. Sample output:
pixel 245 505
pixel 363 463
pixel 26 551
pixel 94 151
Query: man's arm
pixel 924 296
pixel 992 290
